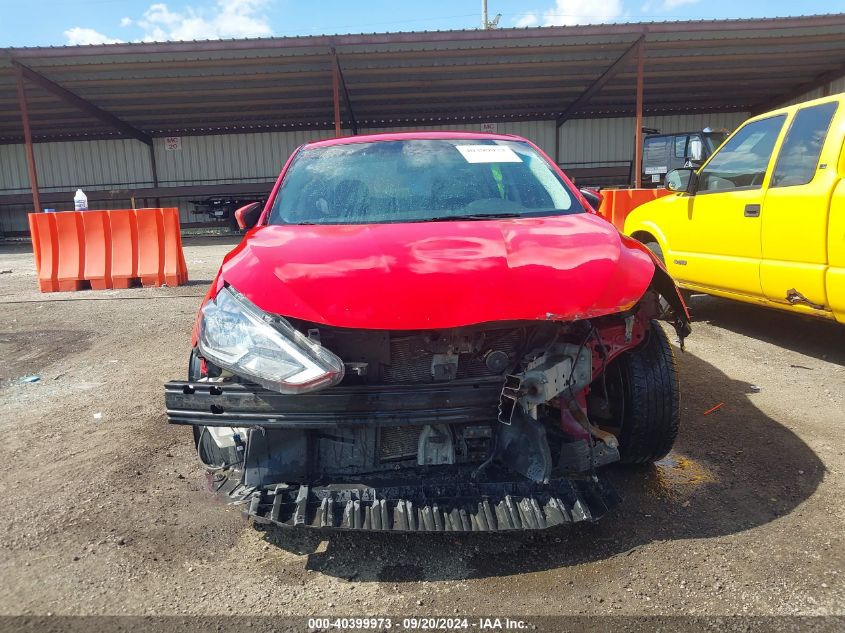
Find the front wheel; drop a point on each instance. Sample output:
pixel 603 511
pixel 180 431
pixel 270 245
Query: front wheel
pixel 654 247
pixel 644 399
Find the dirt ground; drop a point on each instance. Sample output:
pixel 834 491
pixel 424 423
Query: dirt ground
pixel 105 508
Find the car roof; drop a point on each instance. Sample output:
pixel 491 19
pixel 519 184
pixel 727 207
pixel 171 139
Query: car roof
pixel 407 136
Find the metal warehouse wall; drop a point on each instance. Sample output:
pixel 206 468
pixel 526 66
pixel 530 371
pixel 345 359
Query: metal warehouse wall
pixel 540 132
pixel 229 158
pixel 258 157
pixel 609 142
pixel 834 87
pixel 112 164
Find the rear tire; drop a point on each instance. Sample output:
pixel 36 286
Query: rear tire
pixel 648 399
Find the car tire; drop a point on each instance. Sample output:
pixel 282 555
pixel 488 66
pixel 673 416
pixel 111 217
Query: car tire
pixel 648 400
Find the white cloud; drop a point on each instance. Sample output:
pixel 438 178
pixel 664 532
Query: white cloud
pixel 78 36
pixel 668 5
pixel 227 18
pixel 529 19
pixel 570 12
pixel 222 19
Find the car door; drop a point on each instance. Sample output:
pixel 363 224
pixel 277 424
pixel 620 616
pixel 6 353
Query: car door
pixel 715 239
pixel 796 208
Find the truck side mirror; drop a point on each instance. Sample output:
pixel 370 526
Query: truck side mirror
pixel 682 180
pixel 247 216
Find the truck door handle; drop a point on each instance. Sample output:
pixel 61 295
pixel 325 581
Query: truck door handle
pixel 752 210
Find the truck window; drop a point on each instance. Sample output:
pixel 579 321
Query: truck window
pixel 680 146
pixel 742 161
pixel 799 154
pixel 655 150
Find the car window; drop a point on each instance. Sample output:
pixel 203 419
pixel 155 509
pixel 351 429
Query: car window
pixel 680 147
pixel 416 180
pixel 742 161
pixel 802 146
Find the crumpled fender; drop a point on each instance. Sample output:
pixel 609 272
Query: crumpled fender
pixel 663 283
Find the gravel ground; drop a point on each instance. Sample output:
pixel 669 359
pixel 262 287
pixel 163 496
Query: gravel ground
pixel 106 510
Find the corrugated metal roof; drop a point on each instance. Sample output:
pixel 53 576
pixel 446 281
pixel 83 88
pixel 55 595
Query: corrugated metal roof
pixel 429 76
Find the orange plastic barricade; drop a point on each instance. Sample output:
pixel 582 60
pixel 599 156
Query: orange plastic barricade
pixel 107 249
pixel 618 203
pixel 45 246
pixel 124 248
pixel 97 240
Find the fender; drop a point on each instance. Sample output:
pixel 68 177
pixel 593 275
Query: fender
pixel 647 226
pixel 664 285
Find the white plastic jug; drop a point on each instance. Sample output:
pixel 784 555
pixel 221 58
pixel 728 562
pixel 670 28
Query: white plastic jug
pixel 80 201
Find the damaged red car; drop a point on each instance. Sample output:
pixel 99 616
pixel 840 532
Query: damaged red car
pixel 429 332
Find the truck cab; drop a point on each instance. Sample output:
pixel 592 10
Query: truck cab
pixel 763 220
pixel 664 152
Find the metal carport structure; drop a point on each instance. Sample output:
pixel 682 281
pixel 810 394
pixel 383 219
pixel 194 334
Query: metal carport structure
pixel 347 83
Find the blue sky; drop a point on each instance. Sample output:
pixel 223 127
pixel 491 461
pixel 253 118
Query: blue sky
pixel 54 22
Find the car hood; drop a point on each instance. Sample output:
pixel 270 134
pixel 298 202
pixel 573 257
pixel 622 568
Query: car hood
pixel 440 274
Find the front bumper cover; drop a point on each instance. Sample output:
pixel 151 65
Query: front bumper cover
pixel 448 507
pixel 415 502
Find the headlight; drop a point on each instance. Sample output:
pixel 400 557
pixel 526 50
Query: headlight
pixel 238 336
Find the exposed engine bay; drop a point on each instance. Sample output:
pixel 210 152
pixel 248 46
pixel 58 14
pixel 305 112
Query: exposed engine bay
pixel 492 426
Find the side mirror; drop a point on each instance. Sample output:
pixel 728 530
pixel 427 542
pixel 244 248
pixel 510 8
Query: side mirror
pixel 593 196
pixel 247 216
pixel 682 180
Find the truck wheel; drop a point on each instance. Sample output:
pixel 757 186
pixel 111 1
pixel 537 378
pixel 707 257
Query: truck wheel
pixel 644 394
pixel 654 247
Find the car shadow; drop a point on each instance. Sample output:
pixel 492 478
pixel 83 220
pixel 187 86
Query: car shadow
pixel 731 470
pixel 797 332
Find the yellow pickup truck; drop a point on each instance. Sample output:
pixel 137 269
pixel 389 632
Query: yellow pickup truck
pixel 763 220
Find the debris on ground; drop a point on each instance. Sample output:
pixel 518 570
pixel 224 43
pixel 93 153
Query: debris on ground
pixel 30 378
pixel 712 409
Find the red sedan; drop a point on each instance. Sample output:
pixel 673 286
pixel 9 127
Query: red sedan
pixel 429 331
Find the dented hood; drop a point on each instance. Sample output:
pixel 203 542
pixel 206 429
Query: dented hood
pixel 440 274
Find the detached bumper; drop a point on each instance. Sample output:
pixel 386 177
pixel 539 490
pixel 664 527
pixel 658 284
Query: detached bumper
pixel 233 404
pixel 456 507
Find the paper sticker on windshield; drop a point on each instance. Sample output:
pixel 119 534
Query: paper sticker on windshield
pixel 488 154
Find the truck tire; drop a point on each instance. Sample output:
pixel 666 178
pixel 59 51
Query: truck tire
pixel 654 247
pixel 647 399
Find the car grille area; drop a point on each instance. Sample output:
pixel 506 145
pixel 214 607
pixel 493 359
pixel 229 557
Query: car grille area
pixel 398 443
pixel 397 357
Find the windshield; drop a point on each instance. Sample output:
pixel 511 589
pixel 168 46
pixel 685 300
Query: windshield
pixel 419 180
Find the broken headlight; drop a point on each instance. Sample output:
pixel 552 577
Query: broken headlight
pixel 237 335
